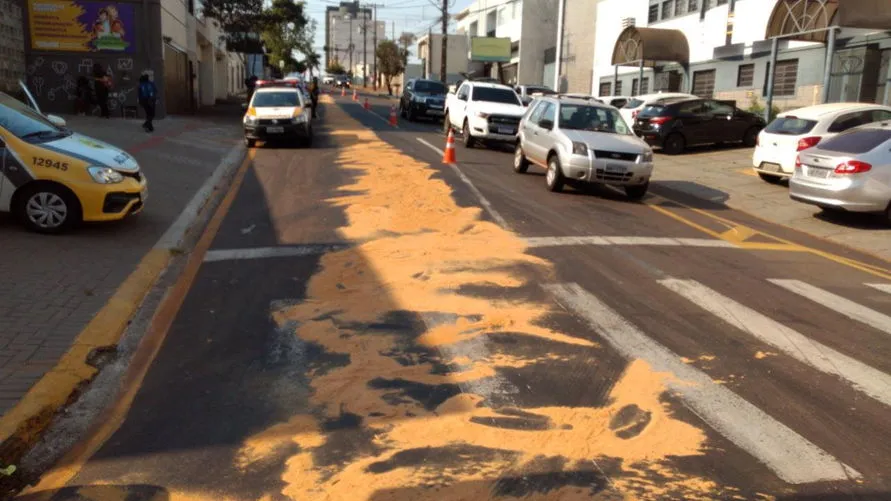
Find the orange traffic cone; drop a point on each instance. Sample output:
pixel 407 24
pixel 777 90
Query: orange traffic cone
pixel 393 115
pixel 342 91
pixel 448 156
pixel 355 96
pixel 366 105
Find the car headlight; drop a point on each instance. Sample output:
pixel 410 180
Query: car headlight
pixel 299 119
pixel 481 114
pixel 646 157
pixel 250 119
pixel 579 148
pixel 105 175
pixel 419 99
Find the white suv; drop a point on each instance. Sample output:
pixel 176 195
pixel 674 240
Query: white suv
pixel 484 111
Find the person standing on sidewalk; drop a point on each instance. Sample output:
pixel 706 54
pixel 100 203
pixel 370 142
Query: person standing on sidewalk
pixel 314 96
pixel 148 95
pixel 102 85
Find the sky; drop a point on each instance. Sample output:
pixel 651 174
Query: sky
pixel 408 15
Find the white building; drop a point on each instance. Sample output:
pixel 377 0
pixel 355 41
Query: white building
pixel 430 54
pixel 350 36
pixel 493 18
pixel 722 48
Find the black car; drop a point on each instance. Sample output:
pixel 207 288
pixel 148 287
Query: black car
pixel 677 124
pixel 422 98
pixel 342 81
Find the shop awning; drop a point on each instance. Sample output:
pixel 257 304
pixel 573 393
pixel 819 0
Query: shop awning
pixel 797 16
pixel 652 45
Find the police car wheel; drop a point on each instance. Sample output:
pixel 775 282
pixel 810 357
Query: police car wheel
pixel 48 209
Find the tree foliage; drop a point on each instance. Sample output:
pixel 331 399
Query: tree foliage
pixel 406 40
pixel 391 61
pixel 287 30
pixel 335 68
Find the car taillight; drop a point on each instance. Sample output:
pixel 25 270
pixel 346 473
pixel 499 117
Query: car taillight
pixel 797 161
pixel 659 120
pixel 634 114
pixel 807 142
pixel 852 167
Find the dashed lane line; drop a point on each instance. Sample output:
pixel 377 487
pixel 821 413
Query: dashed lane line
pixel 846 307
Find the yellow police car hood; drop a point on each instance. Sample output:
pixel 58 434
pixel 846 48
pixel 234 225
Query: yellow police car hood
pixel 93 151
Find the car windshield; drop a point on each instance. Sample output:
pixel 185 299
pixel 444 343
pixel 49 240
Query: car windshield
pixel 430 87
pixel 790 126
pixel 857 141
pixel 652 110
pixel 275 99
pixel 592 118
pixel 541 90
pixel 495 95
pixel 633 103
pixel 25 123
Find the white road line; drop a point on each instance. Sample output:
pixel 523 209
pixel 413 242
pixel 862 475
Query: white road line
pixel 881 287
pixel 483 200
pixel 792 457
pixel 871 381
pixel 837 303
pixel 269 252
pixel 619 240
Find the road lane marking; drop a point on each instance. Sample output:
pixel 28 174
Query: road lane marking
pixel 838 304
pixel 739 234
pixel 483 200
pixel 881 287
pixel 871 381
pixel 535 242
pixel 789 455
pixel 270 252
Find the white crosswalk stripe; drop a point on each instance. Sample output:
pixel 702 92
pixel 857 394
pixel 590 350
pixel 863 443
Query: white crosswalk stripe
pixel 835 302
pixel 792 457
pixel 881 287
pixel 871 381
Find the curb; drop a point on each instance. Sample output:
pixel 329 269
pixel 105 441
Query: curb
pixel 23 425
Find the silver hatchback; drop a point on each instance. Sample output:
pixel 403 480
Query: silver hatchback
pixel 582 141
pixel 849 172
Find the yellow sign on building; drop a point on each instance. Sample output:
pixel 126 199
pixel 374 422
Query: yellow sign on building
pixel 490 49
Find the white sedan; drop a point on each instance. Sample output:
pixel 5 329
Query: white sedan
pixel 793 131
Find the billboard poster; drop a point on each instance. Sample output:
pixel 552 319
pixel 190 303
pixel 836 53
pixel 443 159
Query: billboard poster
pixel 81 26
pixel 490 49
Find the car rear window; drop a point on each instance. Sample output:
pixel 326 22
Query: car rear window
pixel 633 103
pixel 495 95
pixel 431 87
pixel 857 141
pixel 790 126
pixel 652 110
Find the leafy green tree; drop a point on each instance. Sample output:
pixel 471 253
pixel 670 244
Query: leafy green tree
pixel 335 68
pixel 286 29
pixel 391 61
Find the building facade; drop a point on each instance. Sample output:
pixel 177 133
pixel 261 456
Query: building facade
pixel 493 18
pixel 12 45
pixel 729 50
pixel 350 31
pixel 430 54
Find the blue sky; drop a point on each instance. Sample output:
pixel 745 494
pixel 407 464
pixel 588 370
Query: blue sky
pixel 408 15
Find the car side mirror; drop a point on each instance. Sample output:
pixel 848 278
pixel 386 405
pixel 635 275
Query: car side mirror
pixel 462 98
pixel 546 124
pixel 57 121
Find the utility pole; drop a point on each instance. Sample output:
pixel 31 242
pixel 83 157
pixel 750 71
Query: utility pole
pixel 445 41
pixel 364 48
pixel 374 43
pixel 350 70
pixel 429 66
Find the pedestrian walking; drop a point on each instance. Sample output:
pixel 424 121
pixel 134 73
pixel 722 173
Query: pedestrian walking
pixel 102 84
pixel 314 95
pixel 84 96
pixel 148 96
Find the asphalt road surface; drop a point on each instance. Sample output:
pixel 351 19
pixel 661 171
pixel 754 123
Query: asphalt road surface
pixel 363 322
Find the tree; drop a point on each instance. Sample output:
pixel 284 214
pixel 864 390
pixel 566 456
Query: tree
pixel 390 59
pixel 237 18
pixel 285 33
pixel 335 68
pixel 313 61
pixel 406 40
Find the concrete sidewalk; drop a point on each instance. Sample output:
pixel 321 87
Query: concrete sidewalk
pixel 724 175
pixel 55 291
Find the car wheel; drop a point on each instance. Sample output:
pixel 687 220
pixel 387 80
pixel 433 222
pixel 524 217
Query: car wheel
pixel 520 162
pixel 673 144
pixel 770 178
pixel 446 124
pixel 401 110
pixel 47 209
pixel 465 135
pixel 410 114
pixel 637 192
pixel 751 137
pixel 250 143
pixel 306 142
pixel 554 177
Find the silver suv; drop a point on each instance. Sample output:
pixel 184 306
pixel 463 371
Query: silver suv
pixel 580 140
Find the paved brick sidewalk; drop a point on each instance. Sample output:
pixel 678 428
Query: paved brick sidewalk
pixel 52 286
pixel 724 175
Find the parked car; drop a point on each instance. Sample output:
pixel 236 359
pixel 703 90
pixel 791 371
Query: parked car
pixel 526 92
pixel 583 141
pixel 676 124
pixel 52 178
pixel 848 172
pixel 615 101
pixel 793 131
pixel 484 111
pixel 328 79
pixel 278 113
pixel 637 103
pixel 422 98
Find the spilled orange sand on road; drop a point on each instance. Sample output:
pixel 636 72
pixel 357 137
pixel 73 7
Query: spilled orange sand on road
pixel 379 431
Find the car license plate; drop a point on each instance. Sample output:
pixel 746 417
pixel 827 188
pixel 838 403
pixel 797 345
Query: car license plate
pixel 275 130
pixel 435 112
pixel 615 169
pixel 770 167
pixel 818 172
pixel 506 130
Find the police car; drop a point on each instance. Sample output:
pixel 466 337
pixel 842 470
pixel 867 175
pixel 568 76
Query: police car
pixel 278 111
pixel 52 178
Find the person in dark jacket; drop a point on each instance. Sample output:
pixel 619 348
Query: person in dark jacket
pixel 102 85
pixel 314 95
pixel 148 96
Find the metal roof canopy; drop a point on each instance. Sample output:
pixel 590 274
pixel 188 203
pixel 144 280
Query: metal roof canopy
pixel 646 46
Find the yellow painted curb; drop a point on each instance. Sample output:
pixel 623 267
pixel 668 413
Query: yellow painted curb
pixel 36 409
